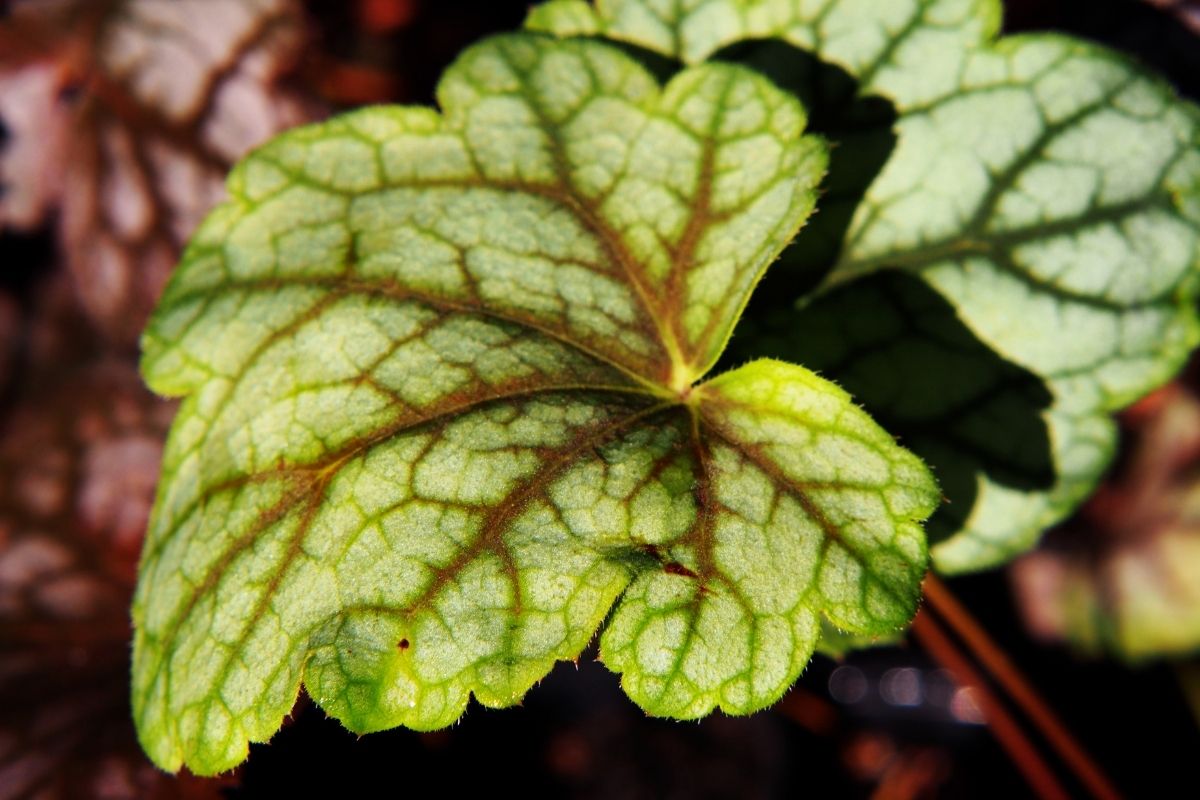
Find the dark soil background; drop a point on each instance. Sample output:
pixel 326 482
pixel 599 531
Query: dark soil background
pixel 576 734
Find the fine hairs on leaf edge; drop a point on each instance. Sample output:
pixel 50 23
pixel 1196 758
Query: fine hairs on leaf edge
pixel 193 741
pixel 704 29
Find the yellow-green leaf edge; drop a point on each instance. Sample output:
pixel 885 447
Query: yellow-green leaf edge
pixel 237 603
pixel 1006 521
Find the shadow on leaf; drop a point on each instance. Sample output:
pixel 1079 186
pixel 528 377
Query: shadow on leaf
pixel 890 340
pixel 860 131
pixel 900 349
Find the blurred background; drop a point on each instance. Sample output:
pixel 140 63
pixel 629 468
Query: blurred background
pixel 118 121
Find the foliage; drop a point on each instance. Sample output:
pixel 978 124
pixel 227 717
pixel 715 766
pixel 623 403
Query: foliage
pixel 1045 188
pixel 125 117
pixel 446 413
pixel 78 461
pixel 119 120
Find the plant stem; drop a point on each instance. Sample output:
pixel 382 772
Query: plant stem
pixel 1000 667
pixel 1001 723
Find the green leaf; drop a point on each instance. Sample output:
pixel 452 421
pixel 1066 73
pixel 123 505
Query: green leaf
pixel 442 418
pixel 1009 455
pixel 837 644
pixel 1047 188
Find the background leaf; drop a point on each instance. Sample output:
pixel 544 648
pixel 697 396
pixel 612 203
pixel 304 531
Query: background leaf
pixel 10 324
pixel 976 419
pixel 1123 576
pixel 31 152
pixel 1045 187
pixel 1188 13
pixel 79 457
pixel 126 115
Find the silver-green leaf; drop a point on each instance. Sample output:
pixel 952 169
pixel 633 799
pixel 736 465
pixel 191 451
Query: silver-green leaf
pixel 446 414
pixel 1048 188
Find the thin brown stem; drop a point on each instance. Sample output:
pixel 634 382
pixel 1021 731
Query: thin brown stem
pixel 1001 723
pixel 1000 667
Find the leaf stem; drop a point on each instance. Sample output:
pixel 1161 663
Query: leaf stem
pixel 1001 723
pixel 999 666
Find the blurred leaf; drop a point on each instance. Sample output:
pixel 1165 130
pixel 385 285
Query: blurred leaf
pixel 1188 675
pixel 1188 11
pixel 1124 576
pixel 147 103
pixel 36 123
pixel 79 457
pixel 10 322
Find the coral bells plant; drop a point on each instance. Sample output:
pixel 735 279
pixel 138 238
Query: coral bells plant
pixel 460 392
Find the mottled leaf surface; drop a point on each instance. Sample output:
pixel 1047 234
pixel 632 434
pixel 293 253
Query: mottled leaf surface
pixel 1046 187
pixel 991 429
pixel 444 417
